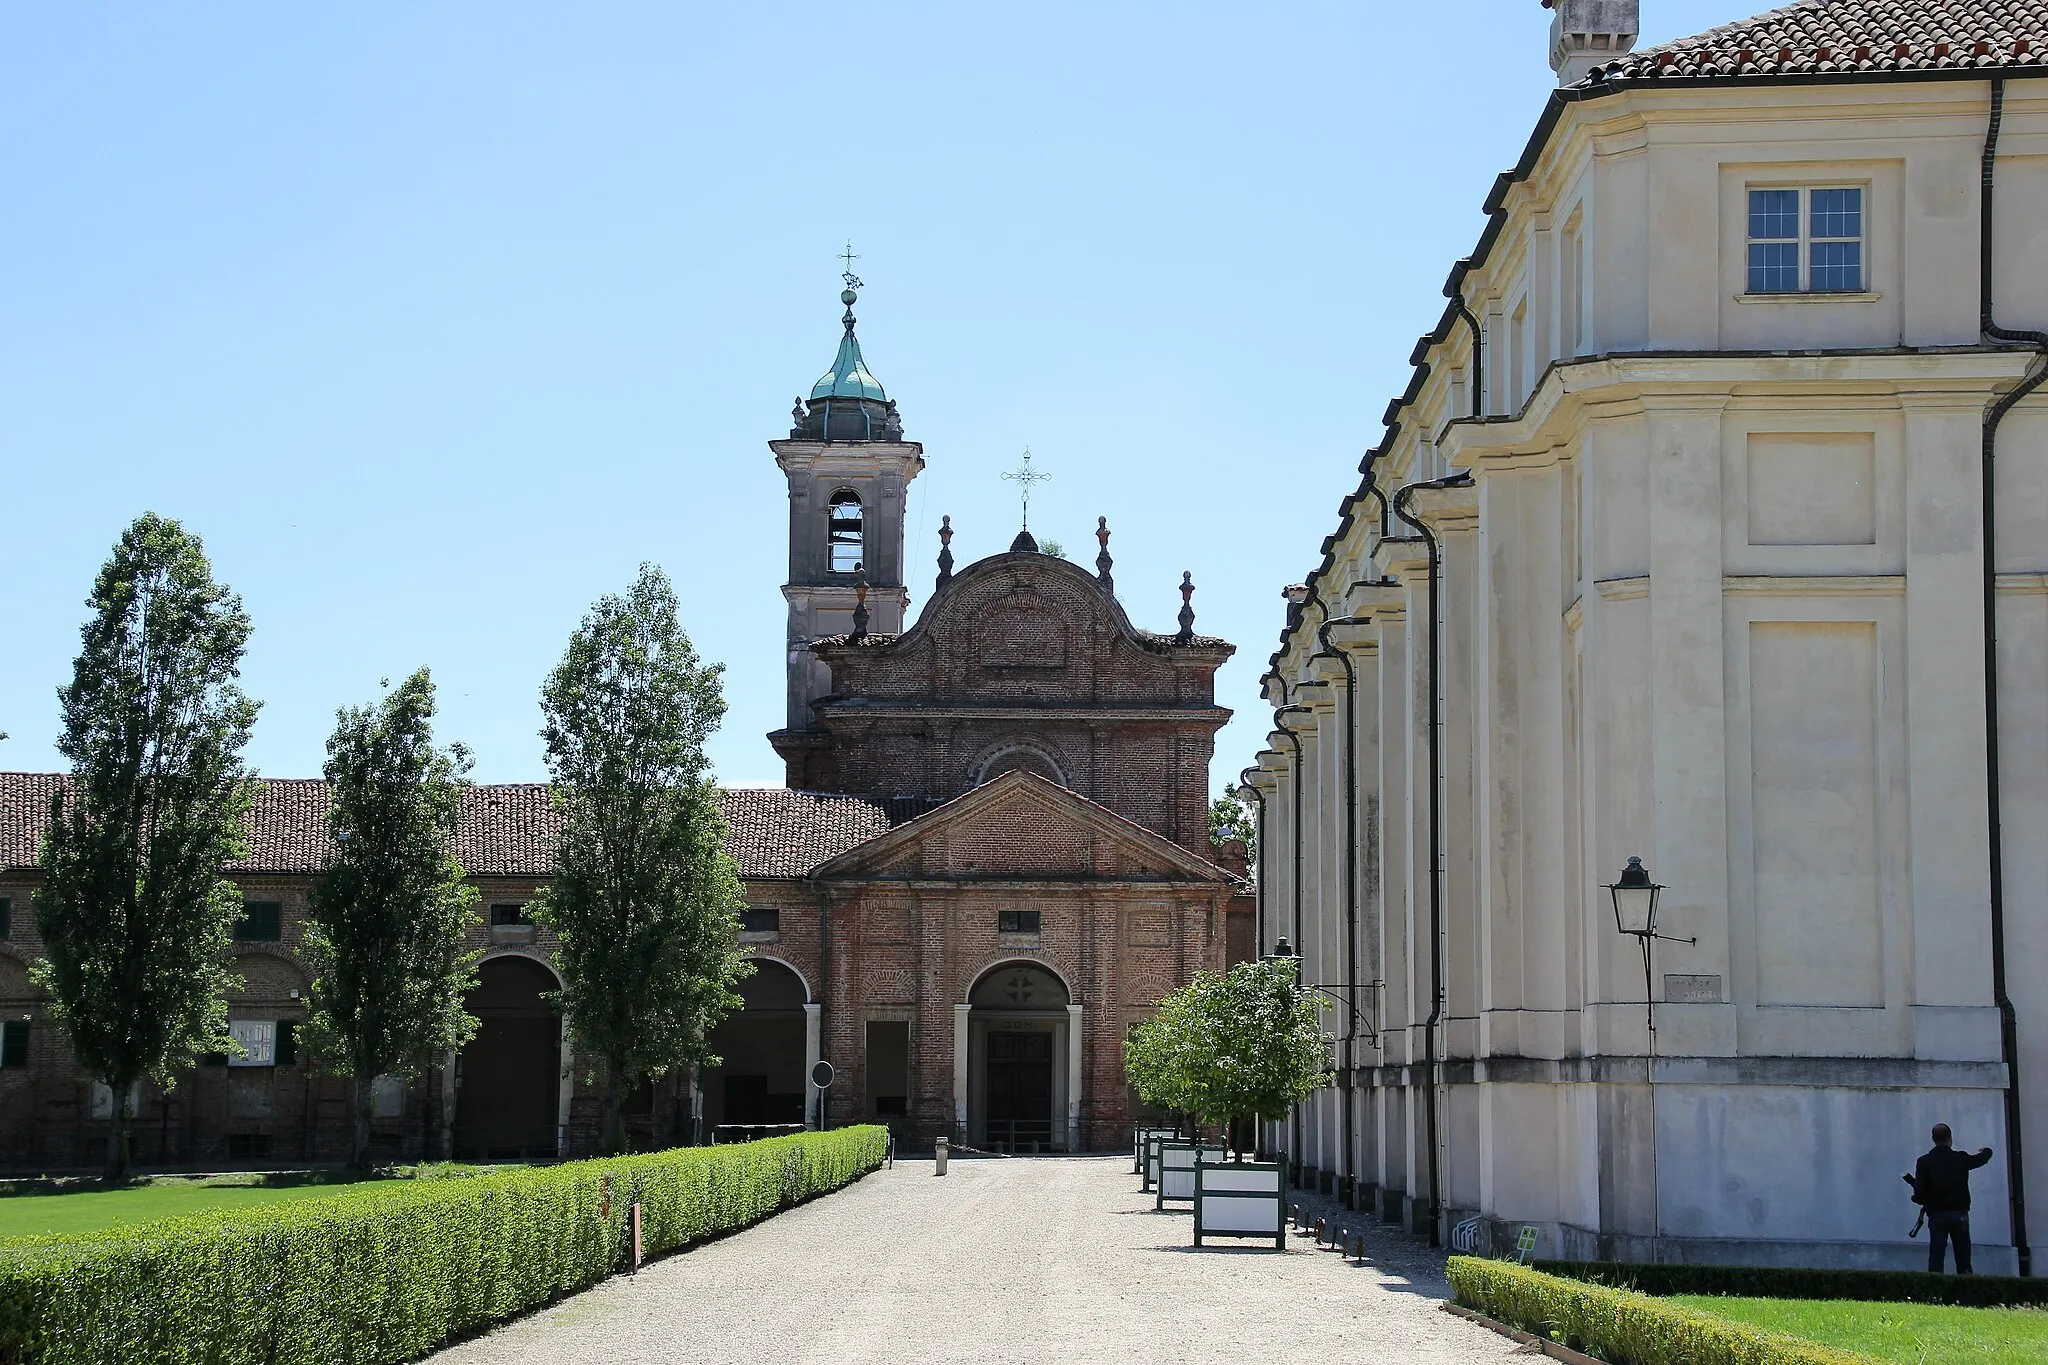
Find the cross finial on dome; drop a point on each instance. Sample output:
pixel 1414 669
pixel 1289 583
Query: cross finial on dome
pixel 1024 476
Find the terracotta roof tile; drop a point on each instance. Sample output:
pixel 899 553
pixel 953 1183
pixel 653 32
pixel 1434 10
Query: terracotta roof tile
pixel 504 830
pixel 1817 37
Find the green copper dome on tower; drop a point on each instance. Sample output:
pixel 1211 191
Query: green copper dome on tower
pixel 847 403
pixel 849 376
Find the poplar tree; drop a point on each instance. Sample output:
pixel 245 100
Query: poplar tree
pixel 136 919
pixel 645 897
pixel 384 933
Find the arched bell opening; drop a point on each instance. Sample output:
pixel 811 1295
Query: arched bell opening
pixel 766 1050
pixel 508 1080
pixel 1023 1050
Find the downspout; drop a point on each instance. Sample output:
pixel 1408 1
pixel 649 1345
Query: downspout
pixel 1347 1189
pixel 1244 782
pixel 824 997
pixel 2008 1019
pixel 1478 355
pixel 1294 1113
pixel 1436 842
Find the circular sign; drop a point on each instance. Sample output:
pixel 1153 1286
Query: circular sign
pixel 821 1075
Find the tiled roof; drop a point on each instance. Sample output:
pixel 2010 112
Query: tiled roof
pixel 1829 36
pixel 504 830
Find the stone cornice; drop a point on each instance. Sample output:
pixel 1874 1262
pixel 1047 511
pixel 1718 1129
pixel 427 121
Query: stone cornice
pixel 1606 387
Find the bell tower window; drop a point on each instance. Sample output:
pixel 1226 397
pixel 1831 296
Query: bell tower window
pixel 843 530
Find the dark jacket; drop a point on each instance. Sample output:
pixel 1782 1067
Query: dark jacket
pixel 1941 1179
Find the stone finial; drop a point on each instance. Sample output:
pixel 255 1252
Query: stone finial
pixel 1102 559
pixel 945 551
pixel 796 419
pixel 1589 33
pixel 1187 608
pixel 860 606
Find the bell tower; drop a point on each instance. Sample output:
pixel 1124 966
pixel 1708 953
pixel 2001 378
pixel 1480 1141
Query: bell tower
pixel 849 472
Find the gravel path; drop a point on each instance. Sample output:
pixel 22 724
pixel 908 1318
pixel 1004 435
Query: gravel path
pixel 1047 1260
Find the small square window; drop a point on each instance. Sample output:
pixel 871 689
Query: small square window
pixel 261 922
pixel 508 915
pixel 755 920
pixel 1017 921
pixel 1806 241
pixel 258 1038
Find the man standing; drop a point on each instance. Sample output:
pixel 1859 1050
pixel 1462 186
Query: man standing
pixel 1941 1187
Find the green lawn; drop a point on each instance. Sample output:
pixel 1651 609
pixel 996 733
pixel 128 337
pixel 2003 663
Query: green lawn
pixel 29 1215
pixel 1910 1333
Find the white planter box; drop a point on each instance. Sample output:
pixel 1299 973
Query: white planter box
pixel 1241 1199
pixel 1177 1162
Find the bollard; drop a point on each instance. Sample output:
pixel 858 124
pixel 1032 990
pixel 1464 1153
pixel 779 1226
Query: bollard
pixel 939 1155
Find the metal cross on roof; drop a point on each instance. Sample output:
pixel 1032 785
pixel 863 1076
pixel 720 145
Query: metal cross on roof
pixel 1024 476
pixel 848 256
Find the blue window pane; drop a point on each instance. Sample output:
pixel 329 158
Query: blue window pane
pixel 1773 267
pixel 1773 214
pixel 1837 213
pixel 1837 266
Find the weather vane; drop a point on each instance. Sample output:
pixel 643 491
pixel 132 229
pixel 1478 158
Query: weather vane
pixel 1024 476
pixel 848 256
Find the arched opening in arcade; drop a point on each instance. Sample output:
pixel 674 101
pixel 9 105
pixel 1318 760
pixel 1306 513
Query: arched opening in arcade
pixel 766 1050
pixel 508 1081
pixel 1023 1061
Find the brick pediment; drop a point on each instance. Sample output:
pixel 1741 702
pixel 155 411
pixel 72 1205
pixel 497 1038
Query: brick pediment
pixel 1020 827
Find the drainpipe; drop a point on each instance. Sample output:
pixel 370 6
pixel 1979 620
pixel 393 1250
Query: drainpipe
pixel 2008 1020
pixel 1294 1112
pixel 1244 784
pixel 824 998
pixel 1478 354
pixel 1436 840
pixel 1348 1183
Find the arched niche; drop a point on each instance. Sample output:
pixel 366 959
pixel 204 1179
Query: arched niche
pixel 765 1051
pixel 1021 1052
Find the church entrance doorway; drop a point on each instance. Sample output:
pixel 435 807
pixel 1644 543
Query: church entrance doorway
pixel 766 1050
pixel 508 1080
pixel 1020 1051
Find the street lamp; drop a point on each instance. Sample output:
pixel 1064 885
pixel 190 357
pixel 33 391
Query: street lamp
pixel 1635 899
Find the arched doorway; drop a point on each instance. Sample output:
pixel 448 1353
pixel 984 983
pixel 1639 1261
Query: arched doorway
pixel 509 1079
pixel 766 1050
pixel 1022 1055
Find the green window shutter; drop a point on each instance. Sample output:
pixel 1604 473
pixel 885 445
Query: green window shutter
pixel 287 1043
pixel 14 1043
pixel 261 922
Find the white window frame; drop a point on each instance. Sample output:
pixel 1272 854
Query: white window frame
pixel 1806 239
pixel 258 1038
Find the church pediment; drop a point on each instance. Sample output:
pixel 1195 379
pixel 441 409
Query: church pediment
pixel 1020 827
pixel 1025 626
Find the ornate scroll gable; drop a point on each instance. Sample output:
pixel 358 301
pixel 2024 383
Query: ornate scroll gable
pixel 1020 827
pixel 1022 625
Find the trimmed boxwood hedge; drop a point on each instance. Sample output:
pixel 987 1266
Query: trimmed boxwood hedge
pixel 1617 1325
pixel 1772 1282
pixel 387 1272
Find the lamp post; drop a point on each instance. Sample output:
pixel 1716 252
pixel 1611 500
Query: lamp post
pixel 1635 899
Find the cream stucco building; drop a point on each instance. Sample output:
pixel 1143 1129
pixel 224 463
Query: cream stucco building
pixel 1681 544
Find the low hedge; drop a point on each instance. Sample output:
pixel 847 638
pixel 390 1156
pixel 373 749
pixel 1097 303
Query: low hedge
pixel 1772 1282
pixel 1623 1327
pixel 387 1272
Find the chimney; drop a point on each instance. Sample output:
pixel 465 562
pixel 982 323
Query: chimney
pixel 1588 33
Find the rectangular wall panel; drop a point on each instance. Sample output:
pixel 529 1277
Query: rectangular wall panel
pixel 1813 707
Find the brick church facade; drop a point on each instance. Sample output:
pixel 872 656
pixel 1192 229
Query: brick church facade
pixel 991 857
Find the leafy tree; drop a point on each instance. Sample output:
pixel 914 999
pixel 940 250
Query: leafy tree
pixel 1229 819
pixel 1246 1044
pixel 136 919
pixel 385 929
pixel 645 896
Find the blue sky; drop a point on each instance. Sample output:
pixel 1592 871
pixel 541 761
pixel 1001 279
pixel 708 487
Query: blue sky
pixel 435 319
